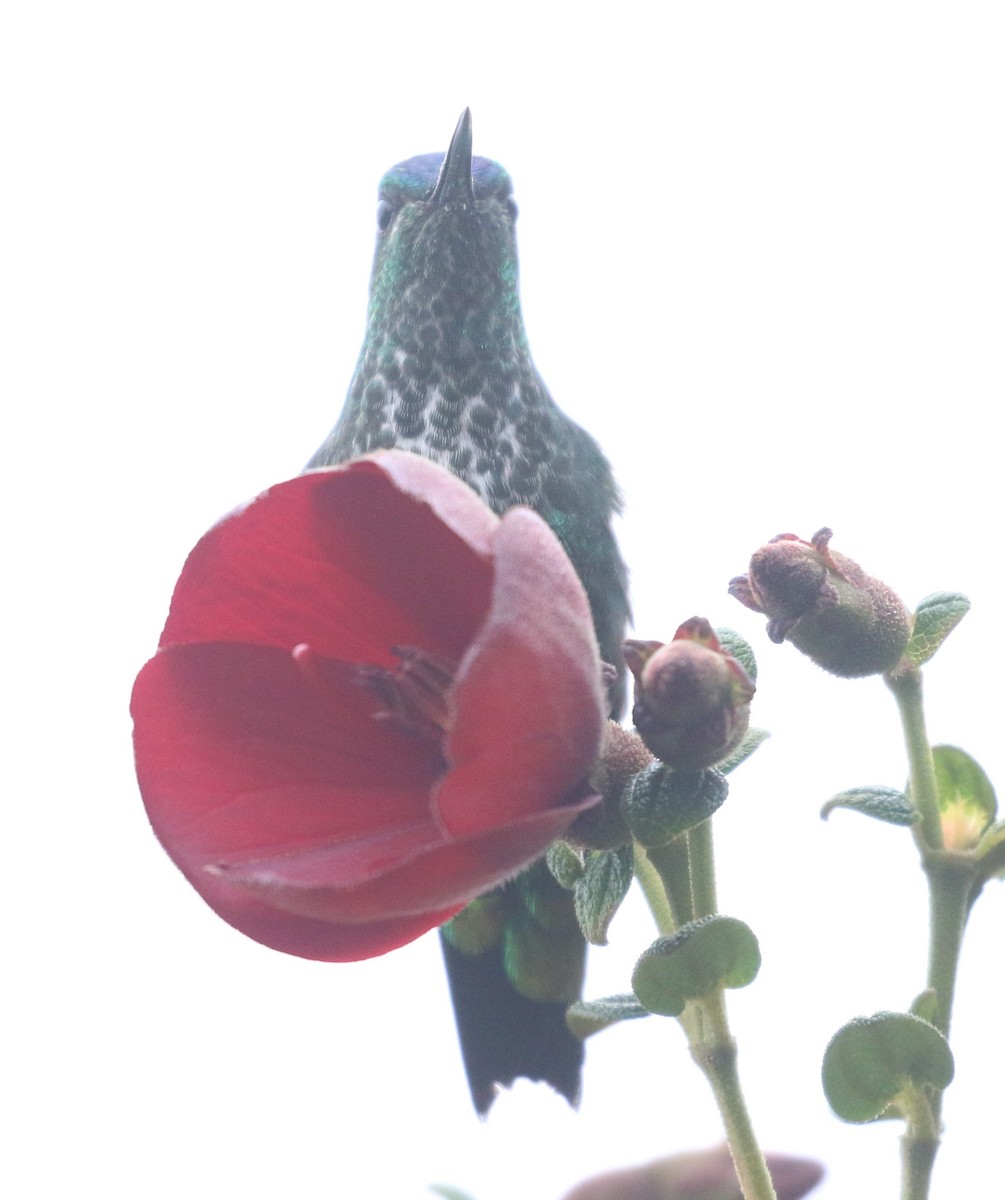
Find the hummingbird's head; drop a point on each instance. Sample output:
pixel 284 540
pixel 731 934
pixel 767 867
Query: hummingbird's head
pixel 445 231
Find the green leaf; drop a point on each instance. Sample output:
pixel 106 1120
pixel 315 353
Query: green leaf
pixel 967 802
pixel 926 1005
pixel 565 863
pixel 751 740
pixel 699 959
pixel 587 1017
pixel 737 645
pixel 883 803
pixel 599 892
pixel 872 1061
pixel 936 618
pixel 990 852
pixel 660 803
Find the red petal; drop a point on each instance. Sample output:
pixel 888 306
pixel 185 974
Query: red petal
pixel 529 706
pixel 352 560
pixel 456 504
pixel 237 753
pixel 327 941
pixel 409 870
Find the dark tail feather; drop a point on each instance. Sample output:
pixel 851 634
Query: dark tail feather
pixel 505 1036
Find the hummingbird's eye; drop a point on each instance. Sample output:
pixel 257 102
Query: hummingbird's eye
pixel 385 214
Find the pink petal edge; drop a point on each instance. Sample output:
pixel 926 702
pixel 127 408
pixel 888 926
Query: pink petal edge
pixel 456 504
pixel 530 710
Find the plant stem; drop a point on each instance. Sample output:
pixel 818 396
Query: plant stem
pixel 652 889
pixel 699 841
pixel 951 877
pixel 685 867
pixel 673 863
pixel 917 1157
pixel 714 1051
pixel 906 689
pixel 919 1145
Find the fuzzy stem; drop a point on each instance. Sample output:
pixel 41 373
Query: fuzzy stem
pixel 672 861
pixel 686 869
pixel 652 889
pixel 917 1158
pixel 658 870
pixel 699 841
pixel 951 880
pixel 906 689
pixel 714 1051
pixel 919 1145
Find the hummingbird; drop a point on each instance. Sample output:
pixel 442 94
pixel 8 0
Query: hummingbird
pixel 445 372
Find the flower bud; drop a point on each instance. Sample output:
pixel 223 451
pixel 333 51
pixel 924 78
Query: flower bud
pixel 602 827
pixel 692 699
pixel 825 605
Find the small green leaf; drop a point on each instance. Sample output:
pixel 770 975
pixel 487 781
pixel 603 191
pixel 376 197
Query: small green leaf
pixel 751 740
pixel 936 618
pixel 990 852
pixel 587 1017
pixel 926 1005
pixel 565 863
pixel 599 893
pixel 883 803
pixel 660 803
pixel 967 802
pixel 737 645
pixel 699 959
pixel 872 1061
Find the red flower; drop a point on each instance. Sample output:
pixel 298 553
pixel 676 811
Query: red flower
pixel 373 700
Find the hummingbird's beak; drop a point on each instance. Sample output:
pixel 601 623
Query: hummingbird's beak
pixel 454 184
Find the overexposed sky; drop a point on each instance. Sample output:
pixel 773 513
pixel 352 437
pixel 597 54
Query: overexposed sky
pixel 762 256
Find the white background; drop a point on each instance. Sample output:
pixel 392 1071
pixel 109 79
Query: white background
pixel 762 261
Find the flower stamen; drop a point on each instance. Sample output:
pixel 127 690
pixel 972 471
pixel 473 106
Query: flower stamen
pixel 415 694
